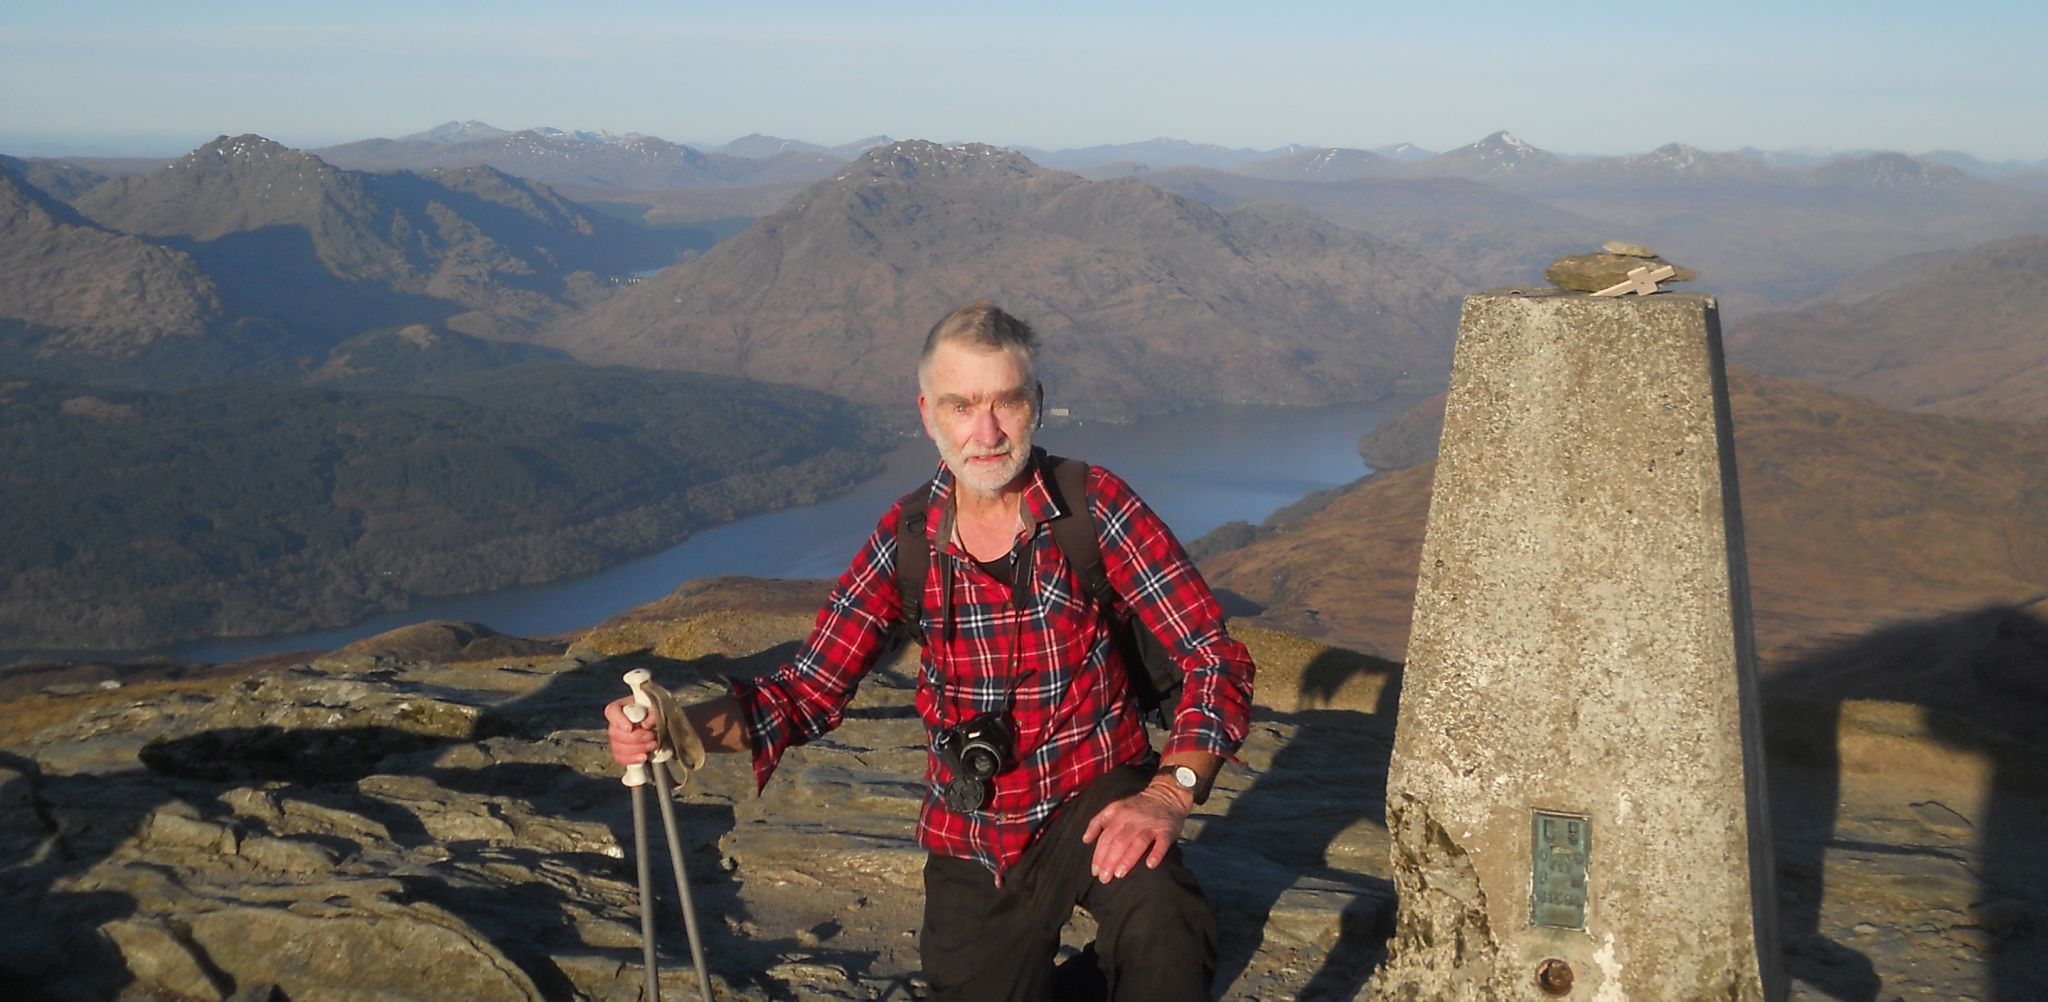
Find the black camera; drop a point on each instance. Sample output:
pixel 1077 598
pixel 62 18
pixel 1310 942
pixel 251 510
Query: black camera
pixel 976 751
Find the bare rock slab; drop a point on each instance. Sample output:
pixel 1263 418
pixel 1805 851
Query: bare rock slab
pixel 1575 796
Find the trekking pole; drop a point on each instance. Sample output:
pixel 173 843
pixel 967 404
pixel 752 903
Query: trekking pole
pixel 668 775
pixel 636 781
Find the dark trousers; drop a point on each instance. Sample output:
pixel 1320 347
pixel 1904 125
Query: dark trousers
pixel 1156 936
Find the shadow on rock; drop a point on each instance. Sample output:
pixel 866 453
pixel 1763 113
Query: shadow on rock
pixel 1980 682
pixel 271 754
pixel 1292 845
pixel 41 954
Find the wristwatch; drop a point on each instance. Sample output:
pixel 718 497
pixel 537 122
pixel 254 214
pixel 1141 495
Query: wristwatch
pixel 1185 778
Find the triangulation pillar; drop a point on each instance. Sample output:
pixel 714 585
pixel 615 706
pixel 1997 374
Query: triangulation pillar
pixel 1576 797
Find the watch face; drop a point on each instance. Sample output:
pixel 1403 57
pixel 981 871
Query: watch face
pixel 1184 777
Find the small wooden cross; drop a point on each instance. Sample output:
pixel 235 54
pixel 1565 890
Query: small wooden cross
pixel 1641 281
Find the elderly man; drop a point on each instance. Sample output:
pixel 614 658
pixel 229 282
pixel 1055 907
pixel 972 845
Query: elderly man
pixel 1020 659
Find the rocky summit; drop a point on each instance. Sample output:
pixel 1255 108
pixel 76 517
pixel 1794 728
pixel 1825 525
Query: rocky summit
pixel 378 825
pixel 400 821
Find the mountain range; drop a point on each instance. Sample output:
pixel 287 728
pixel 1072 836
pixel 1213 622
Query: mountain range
pixel 276 255
pixel 1762 235
pixel 424 303
pixel 1768 228
pixel 1161 152
pixel 461 143
pixel 588 160
pixel 1146 300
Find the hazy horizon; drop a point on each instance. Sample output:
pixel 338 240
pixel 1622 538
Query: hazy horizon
pixel 113 77
pixel 179 145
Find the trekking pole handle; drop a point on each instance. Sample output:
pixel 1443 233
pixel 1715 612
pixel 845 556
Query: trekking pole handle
pixel 637 711
pixel 636 680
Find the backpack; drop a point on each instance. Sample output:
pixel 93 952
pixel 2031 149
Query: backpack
pixel 1154 680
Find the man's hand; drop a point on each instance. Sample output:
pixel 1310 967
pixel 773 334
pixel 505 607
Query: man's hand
pixel 717 722
pixel 1141 826
pixel 631 743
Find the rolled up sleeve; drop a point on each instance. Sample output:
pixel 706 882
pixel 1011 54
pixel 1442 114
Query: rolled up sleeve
pixel 806 698
pixel 1153 574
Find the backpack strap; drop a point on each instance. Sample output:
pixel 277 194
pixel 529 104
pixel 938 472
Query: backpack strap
pixel 1155 680
pixel 1074 530
pixel 913 558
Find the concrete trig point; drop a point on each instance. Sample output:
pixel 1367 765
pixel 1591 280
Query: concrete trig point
pixel 1576 798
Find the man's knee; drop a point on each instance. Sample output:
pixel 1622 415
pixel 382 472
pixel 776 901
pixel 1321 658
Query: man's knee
pixel 1156 931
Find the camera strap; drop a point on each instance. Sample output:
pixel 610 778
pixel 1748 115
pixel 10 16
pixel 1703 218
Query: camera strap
pixel 1021 574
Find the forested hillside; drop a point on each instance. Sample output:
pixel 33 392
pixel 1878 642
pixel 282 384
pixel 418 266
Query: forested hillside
pixel 137 517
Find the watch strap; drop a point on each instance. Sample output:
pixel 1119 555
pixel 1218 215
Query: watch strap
pixel 1187 779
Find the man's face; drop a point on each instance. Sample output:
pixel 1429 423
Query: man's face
pixel 980 406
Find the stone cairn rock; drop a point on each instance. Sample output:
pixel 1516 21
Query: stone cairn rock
pixel 1608 268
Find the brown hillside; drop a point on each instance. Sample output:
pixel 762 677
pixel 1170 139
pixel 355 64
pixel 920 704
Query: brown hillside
pixel 1962 333
pixel 55 178
pixel 1856 516
pixel 290 237
pixel 94 290
pixel 1146 301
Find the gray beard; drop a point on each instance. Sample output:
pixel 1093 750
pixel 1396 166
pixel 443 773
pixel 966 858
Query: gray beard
pixel 1020 454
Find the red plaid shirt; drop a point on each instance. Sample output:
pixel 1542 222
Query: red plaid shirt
pixel 1074 722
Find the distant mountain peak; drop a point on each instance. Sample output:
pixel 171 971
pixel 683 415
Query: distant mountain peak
pixel 922 159
pixel 248 146
pixel 246 151
pixel 1678 156
pixel 1500 152
pixel 455 132
pixel 758 145
pixel 1402 151
pixel 1328 163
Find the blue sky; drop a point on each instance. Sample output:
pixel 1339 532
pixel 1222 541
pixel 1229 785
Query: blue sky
pixel 159 78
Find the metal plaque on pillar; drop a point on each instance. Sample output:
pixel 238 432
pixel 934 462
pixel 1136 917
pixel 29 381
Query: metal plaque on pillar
pixel 1561 849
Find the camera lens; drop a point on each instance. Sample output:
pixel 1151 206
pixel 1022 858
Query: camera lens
pixel 981 759
pixel 974 752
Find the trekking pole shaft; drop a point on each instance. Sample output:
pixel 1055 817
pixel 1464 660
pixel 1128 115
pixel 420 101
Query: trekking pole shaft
pixel 675 860
pixel 646 892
